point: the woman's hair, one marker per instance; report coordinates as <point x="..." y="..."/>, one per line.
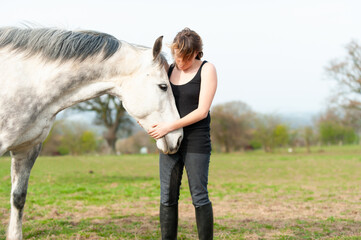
<point x="187" y="42"/>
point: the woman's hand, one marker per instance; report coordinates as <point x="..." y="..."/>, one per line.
<point x="159" y="130"/>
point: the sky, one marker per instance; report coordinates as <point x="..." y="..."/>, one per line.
<point x="270" y="55"/>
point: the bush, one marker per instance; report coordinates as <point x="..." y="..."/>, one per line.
<point x="69" y="138"/>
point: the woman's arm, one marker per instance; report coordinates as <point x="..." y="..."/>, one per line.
<point x="206" y="95"/>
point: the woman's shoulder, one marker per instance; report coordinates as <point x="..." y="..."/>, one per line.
<point x="208" y="68"/>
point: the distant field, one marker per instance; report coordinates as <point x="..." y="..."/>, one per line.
<point x="255" y="196"/>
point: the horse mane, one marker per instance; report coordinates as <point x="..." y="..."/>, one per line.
<point x="56" y="44"/>
<point x="161" y="60"/>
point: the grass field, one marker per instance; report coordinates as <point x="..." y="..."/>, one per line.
<point x="255" y="196"/>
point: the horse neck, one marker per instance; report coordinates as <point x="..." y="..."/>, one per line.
<point x="83" y="82"/>
<point x="95" y="77"/>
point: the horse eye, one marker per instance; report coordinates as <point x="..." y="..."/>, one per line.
<point x="163" y="87"/>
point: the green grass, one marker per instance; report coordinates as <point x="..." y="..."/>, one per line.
<point x="255" y="196"/>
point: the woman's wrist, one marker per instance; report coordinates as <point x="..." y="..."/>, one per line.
<point x="173" y="126"/>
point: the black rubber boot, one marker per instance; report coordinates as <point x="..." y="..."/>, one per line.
<point x="204" y="218"/>
<point x="168" y="221"/>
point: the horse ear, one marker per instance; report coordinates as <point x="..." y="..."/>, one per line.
<point x="157" y="47"/>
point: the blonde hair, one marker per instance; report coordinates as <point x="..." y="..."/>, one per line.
<point x="187" y="42"/>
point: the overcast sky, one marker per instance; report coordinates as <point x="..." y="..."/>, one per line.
<point x="268" y="54"/>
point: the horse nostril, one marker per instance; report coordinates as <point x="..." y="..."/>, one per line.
<point x="179" y="141"/>
<point x="175" y="148"/>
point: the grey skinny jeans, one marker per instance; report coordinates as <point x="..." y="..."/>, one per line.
<point x="171" y="171"/>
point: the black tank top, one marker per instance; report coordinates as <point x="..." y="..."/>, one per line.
<point x="197" y="135"/>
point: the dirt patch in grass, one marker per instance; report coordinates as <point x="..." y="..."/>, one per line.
<point x="243" y="206"/>
<point x="90" y="236"/>
<point x="252" y="205"/>
<point x="246" y="216"/>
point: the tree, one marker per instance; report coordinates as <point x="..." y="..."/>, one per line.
<point x="335" y="127"/>
<point x="280" y="135"/>
<point x="308" y="136"/>
<point x="231" y="126"/>
<point x="335" y="133"/>
<point x="347" y="74"/>
<point x="353" y="119"/>
<point x="68" y="137"/>
<point x="110" y="114"/>
<point x="270" y="132"/>
<point x="88" y="141"/>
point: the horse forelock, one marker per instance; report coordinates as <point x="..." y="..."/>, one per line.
<point x="56" y="44"/>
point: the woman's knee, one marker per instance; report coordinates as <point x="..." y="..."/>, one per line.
<point x="200" y="200"/>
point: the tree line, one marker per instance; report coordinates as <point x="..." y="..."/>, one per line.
<point x="234" y="126"/>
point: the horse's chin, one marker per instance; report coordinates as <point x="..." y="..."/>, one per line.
<point x="163" y="146"/>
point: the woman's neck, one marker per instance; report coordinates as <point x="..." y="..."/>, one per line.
<point x="195" y="65"/>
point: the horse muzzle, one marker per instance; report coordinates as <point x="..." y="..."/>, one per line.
<point x="170" y="143"/>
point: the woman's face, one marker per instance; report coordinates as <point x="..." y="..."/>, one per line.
<point x="181" y="63"/>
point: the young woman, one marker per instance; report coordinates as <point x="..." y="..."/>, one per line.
<point x="194" y="84"/>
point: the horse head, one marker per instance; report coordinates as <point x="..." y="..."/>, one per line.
<point x="147" y="95"/>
